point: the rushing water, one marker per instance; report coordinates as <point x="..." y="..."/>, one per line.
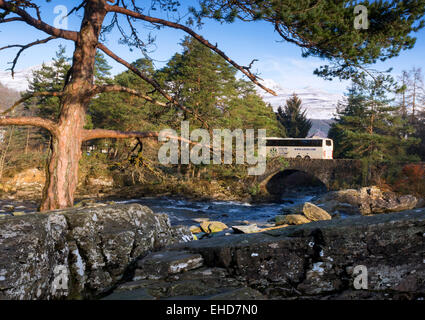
<point x="182" y="212"/>
<point x="230" y="212"/>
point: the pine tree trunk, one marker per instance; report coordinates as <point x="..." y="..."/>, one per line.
<point x="62" y="175"/>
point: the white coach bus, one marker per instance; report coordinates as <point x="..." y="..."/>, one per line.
<point x="301" y="148"/>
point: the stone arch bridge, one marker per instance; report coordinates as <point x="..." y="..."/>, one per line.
<point x="333" y="173"/>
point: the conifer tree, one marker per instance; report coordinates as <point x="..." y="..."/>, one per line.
<point x="49" y="78"/>
<point x="293" y="118"/>
<point x="201" y="79"/>
<point x="208" y="86"/>
<point x="368" y="126"/>
<point x="52" y="77"/>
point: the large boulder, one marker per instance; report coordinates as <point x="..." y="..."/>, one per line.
<point x="391" y="203"/>
<point x="213" y="226"/>
<point x="314" y="213"/>
<point x="292" y="219"/>
<point x="366" y="201"/>
<point x="79" y="252"/>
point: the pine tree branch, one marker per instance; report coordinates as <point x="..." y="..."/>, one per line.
<point x="117" y="134"/>
<point x="30" y="121"/>
<point x="29" y="96"/>
<point x="105" y="134"/>
<point x="11" y="19"/>
<point x="137" y="15"/>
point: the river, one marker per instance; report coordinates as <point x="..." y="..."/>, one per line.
<point x="182" y="212"/>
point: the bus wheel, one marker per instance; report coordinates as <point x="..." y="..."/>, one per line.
<point x="307" y="157"/>
<point x="298" y="157"/>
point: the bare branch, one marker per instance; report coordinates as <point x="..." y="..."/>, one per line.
<point x="116" y="134"/>
<point x="29" y="96"/>
<point x="251" y="63"/>
<point x="11" y="19"/>
<point x="30" y="121"/>
<point x="117" y="88"/>
<point x="198" y="37"/>
<point x="104" y="134"/>
<point x="151" y="82"/>
<point x="76" y="8"/>
<point x="23" y="48"/>
<point x="38" y="23"/>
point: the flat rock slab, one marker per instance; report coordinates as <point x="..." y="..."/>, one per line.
<point x="252" y="228"/>
<point x="318" y="260"/>
<point x="165" y="263"/>
<point x="202" y="283"/>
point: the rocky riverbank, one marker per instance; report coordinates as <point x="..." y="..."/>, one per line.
<point x="79" y="252"/>
<point x="311" y="261"/>
<point x="97" y="248"/>
<point x="27" y="185"/>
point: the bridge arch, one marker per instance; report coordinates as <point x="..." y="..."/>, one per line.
<point x="332" y="173"/>
<point x="291" y="181"/>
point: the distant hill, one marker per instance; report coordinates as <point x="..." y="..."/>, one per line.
<point x="317" y="103"/>
<point x="7" y="97"/>
<point x="20" y="81"/>
<point x="320" y="127"/>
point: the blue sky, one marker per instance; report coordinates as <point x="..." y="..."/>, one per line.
<point x="243" y="42"/>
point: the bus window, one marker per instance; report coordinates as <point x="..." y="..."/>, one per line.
<point x="294" y="143"/>
<point x="328" y="142"/>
